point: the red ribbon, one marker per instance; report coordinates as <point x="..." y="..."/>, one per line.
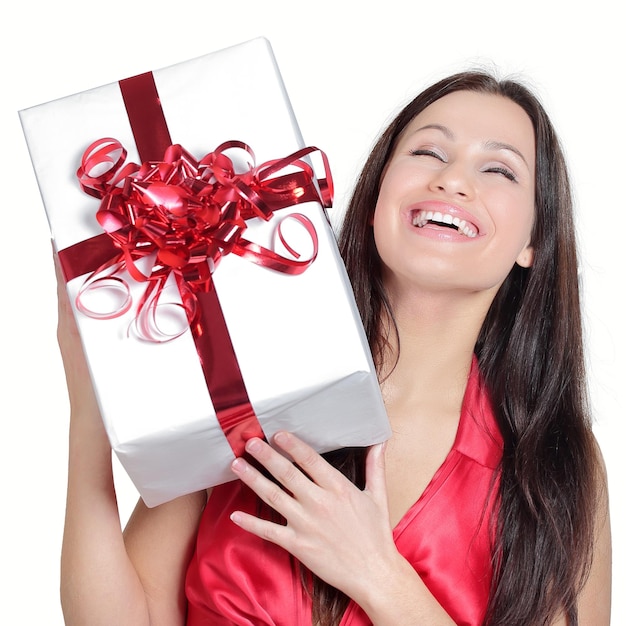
<point x="182" y="216"/>
<point x="187" y="215"/>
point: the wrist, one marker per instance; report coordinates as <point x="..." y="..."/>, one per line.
<point x="391" y="579"/>
<point x="399" y="597"/>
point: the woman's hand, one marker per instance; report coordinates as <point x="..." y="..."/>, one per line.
<point x="339" y="532"/>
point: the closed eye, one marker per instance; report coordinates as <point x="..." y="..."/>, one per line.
<point x="426" y="152"/>
<point x="504" y="171"/>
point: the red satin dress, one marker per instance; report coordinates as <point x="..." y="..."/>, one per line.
<point x="237" y="578"/>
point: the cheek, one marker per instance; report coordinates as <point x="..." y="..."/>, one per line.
<point x="526" y="223"/>
<point x="384" y="229"/>
<point x="513" y="240"/>
<point x="382" y="211"/>
<point x="397" y="187"/>
<point x="399" y="179"/>
<point x="515" y="217"/>
<point x="378" y="223"/>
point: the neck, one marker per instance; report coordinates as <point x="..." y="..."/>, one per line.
<point x="437" y="334"/>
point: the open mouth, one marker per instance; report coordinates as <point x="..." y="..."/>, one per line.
<point x="422" y="218"/>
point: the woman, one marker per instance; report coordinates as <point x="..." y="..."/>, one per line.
<point x="487" y="506"/>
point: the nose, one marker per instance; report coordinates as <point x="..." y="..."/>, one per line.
<point x="453" y="179"/>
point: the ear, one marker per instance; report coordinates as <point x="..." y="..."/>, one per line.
<point x="526" y="257"/>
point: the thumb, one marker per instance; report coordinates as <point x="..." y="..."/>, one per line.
<point x="375" y="479"/>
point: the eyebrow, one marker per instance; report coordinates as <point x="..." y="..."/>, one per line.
<point x="444" y="129"/>
<point x="489" y="145"/>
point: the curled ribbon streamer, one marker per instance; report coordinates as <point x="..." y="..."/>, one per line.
<point x="180" y="216"/>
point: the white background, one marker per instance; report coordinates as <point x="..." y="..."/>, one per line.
<point x="347" y="66"/>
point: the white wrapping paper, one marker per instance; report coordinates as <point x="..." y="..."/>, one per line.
<point x="298" y="339"/>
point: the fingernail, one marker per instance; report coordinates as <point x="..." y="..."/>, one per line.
<point x="281" y="437"/>
<point x="238" y="466"/>
<point x="253" y="445"/>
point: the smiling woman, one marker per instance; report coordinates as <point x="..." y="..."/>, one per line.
<point x="488" y="505"/>
<point x="471" y="158"/>
<point x="528" y="342"/>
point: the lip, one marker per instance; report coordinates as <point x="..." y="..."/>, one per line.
<point x="442" y="232"/>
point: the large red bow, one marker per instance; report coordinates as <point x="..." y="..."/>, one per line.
<point x="184" y="215"/>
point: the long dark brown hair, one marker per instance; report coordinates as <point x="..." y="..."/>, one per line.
<point x="530" y="354"/>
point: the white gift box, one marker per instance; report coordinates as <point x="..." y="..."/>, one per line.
<point x="298" y="340"/>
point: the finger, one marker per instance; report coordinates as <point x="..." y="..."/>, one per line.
<point x="375" y="477"/>
<point x="296" y="479"/>
<point x="276" y="533"/>
<point x="271" y="493"/>
<point x="64" y="307"/>
<point x="58" y="272"/>
<point x="309" y="461"/>
<point x="57" y="265"/>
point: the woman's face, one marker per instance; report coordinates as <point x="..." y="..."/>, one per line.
<point x="456" y="203"/>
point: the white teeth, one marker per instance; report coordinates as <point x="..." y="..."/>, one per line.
<point x="418" y="220"/>
<point x="421" y="218"/>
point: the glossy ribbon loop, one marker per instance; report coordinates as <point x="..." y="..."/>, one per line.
<point x="180" y="216"/>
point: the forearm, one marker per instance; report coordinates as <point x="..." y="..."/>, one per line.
<point x="99" y="585"/>
<point x="397" y="596"/>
